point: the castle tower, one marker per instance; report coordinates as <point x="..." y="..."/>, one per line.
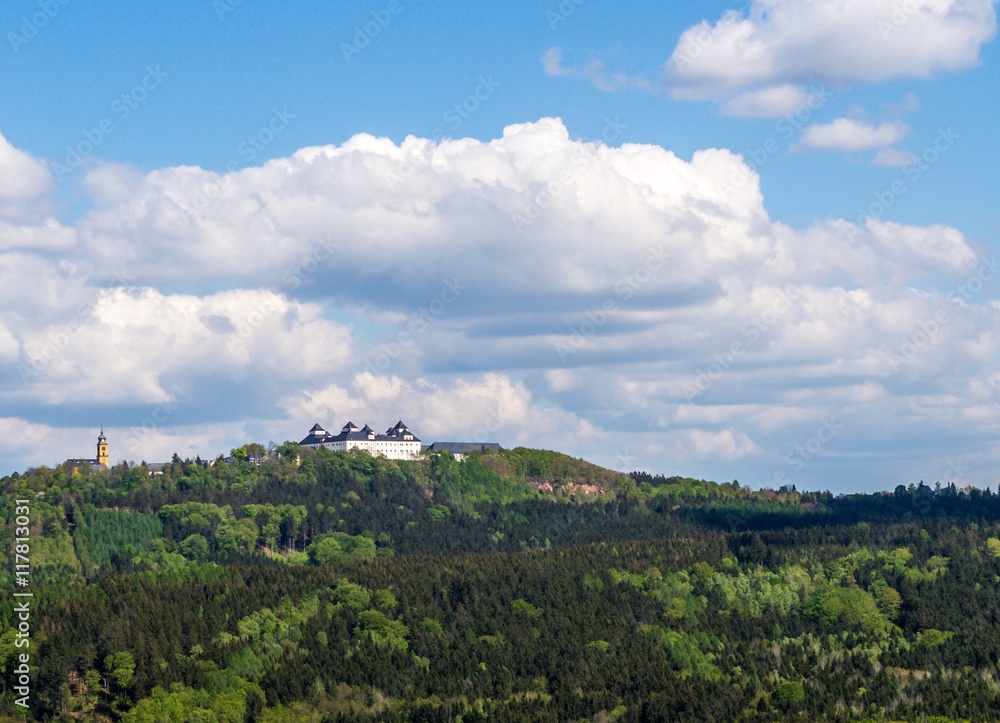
<point x="102" y="449"/>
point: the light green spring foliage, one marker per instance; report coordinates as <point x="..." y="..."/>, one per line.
<point x="52" y="554"/>
<point x="349" y="594"/>
<point x="932" y="638"/>
<point x="234" y="535"/>
<point x="385" y="600"/>
<point x="197" y="515"/>
<point x="757" y="591"/>
<point x="789" y="694"/>
<point x="527" y="609"/>
<point x="337" y="547"/>
<point x="888" y="601"/>
<point x="898" y="565"/>
<point x="433" y="627"/>
<point x="261" y="638"/>
<point x="993" y="546"/>
<point x="270" y="518"/>
<point x="466" y="482"/>
<point x="827" y="594"/>
<point x="692" y="654"/>
<point x="752" y="592"/>
<point x="850" y="606"/>
<point x="181" y="704"/>
<point x="376" y="626"/>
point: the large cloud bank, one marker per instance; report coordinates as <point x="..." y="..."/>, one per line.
<point x="615" y="302"/>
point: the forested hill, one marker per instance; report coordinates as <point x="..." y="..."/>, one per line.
<point x="518" y="585"/>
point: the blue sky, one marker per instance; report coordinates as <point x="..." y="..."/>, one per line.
<point x="747" y="240"/>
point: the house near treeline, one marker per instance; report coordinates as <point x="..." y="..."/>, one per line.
<point x="460" y="449"/>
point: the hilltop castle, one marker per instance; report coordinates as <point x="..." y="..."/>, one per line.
<point x="397" y="443"/>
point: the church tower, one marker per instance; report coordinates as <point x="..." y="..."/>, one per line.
<point x="102" y="449"/>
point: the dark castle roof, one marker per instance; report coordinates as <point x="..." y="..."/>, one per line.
<point x="350" y="431"/>
<point x="463" y="447"/>
<point x="92" y="462"/>
<point x="316" y="435"/>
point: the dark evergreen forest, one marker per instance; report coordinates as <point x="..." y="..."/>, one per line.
<point x="514" y="586"/>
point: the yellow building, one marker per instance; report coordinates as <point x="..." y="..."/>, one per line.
<point x="102" y="450"/>
<point x="102" y="459"/>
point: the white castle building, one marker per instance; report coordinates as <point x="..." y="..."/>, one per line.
<point x="397" y="443"/>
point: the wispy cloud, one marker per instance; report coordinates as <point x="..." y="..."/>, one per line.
<point x="848" y="135"/>
<point x="894" y="157"/>
<point x="595" y="70"/>
<point x="768" y="102"/>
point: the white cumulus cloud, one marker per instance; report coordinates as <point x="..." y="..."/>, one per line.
<point x="769" y="102"/>
<point x="24" y="181"/>
<point x="782" y="42"/>
<point x="142" y="346"/>
<point x="486" y="408"/>
<point x="846" y="134"/>
<point x="614" y="301"/>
